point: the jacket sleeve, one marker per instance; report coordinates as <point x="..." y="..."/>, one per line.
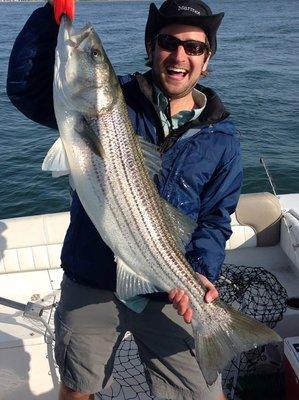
<point x="206" y="251"/>
<point x="31" y="68"/>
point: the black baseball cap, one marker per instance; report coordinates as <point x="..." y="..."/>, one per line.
<point x="185" y="12"/>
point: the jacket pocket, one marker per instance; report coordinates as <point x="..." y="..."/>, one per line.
<point x="173" y="163"/>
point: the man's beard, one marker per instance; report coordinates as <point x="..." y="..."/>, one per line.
<point x="172" y="96"/>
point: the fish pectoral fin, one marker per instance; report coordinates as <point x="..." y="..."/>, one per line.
<point x="129" y="284"/>
<point x="182" y="225"/>
<point x="152" y="157"/>
<point x="90" y="138"/>
<point x="56" y="160"/>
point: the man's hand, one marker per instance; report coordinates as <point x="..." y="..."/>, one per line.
<point x="180" y="299"/>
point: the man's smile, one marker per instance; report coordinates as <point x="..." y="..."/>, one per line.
<point x="175" y="72"/>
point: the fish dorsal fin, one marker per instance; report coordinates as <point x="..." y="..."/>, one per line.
<point x="129" y="284"/>
<point x="152" y="157"/>
<point x="56" y="160"/>
<point x="182" y="225"/>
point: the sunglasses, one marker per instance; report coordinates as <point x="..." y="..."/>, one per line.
<point x="191" y="47"/>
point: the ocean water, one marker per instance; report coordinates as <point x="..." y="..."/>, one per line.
<point x="255" y="71"/>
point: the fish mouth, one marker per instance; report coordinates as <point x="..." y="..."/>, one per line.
<point x="67" y="27"/>
<point x="71" y="38"/>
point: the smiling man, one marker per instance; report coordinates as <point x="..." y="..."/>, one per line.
<point x="201" y="175"/>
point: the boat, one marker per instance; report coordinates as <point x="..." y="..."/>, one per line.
<point x="265" y="239"/>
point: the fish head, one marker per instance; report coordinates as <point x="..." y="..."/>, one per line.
<point x="84" y="78"/>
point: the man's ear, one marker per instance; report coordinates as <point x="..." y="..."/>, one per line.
<point x="149" y="50"/>
<point x="206" y="63"/>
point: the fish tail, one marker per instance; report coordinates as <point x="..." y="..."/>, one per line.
<point x="214" y="349"/>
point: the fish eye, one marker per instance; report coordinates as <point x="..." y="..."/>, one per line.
<point x="95" y="53"/>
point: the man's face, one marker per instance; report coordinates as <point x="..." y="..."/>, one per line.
<point x="175" y="71"/>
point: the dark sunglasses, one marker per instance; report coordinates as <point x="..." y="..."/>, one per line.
<point x="191" y="47"/>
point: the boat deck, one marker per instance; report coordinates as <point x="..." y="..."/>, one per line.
<point x="30" y="273"/>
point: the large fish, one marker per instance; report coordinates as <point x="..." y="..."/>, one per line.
<point x="111" y="169"/>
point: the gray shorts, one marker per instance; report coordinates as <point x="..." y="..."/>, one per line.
<point x="89" y="326"/>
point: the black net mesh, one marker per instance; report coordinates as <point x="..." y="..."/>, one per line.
<point x="129" y="378"/>
<point x="256" y="374"/>
<point x="255" y="292"/>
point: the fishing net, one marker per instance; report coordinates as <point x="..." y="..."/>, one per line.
<point x="256" y="374"/>
<point x="129" y="379"/>
<point x="255" y="292"/>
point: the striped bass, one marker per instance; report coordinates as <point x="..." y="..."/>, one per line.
<point x="112" y="168"/>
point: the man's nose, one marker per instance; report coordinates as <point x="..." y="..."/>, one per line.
<point x="180" y="53"/>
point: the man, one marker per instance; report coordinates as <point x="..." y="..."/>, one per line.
<point x="201" y="175"/>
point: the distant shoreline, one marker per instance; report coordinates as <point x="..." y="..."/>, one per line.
<point x="78" y="1"/>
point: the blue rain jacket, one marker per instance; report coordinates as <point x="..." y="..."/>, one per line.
<point x="201" y="165"/>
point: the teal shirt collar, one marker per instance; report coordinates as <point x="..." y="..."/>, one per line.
<point x="182" y="117"/>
